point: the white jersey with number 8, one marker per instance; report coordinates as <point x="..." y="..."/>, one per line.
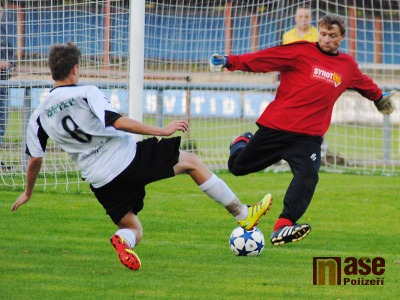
<point x="75" y="117"/>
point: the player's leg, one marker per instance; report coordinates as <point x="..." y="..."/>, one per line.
<point x="237" y="145"/>
<point x="158" y="159"/>
<point x="122" y="199"/>
<point x="128" y="235"/>
<point x="253" y="153"/>
<point x="214" y="187"/>
<point x="132" y="223"/>
<point x="3" y="111"/>
<point x="305" y="160"/>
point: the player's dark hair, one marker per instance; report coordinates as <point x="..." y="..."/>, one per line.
<point x="62" y="58"/>
<point x="329" y="20"/>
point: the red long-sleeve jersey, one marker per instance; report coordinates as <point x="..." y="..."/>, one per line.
<point x="311" y="82"/>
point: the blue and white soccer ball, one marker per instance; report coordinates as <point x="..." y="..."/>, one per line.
<point x="246" y="243"/>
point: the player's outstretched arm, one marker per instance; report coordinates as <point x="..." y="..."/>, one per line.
<point x="34" y="166"/>
<point x="133" y="126"/>
<point x="217" y="62"/>
<point x="385" y="104"/>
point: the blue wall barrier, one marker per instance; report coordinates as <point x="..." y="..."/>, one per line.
<point x="168" y="38"/>
<point x="203" y="103"/>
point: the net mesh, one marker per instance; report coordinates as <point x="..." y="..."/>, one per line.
<point x="180" y="36"/>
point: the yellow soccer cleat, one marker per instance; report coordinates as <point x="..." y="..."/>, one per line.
<point x="256" y="211"/>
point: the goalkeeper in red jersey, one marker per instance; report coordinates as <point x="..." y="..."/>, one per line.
<point x="313" y="76"/>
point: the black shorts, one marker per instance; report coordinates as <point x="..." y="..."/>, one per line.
<point x="154" y="160"/>
<point x="269" y="146"/>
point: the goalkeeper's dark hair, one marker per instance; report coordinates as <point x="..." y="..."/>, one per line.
<point x="329" y="20"/>
<point x="62" y="58"/>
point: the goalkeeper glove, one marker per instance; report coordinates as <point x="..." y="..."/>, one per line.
<point x="385" y="105"/>
<point x="217" y="62"/>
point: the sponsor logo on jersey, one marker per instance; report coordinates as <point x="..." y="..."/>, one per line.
<point x="326" y="76"/>
<point x="59" y="107"/>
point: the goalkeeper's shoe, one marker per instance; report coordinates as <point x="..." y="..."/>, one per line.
<point x="245" y="137"/>
<point x="126" y="255"/>
<point x="287" y="234"/>
<point x="255" y="212"/>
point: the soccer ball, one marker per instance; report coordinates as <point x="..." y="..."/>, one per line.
<point x="246" y="243"/>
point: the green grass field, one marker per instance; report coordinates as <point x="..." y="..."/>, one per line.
<point x="57" y="246"/>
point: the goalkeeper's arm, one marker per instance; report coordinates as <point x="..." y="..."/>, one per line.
<point x="385" y="104"/>
<point x="217" y="62"/>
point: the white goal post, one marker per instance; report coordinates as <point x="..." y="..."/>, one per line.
<point x="151" y="60"/>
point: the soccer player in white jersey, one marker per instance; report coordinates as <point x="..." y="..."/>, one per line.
<point x="81" y="120"/>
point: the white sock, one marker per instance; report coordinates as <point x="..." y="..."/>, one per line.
<point x="243" y="213"/>
<point x="217" y="189"/>
<point x="128" y="236"/>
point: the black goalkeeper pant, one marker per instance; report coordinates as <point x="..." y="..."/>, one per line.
<point x="268" y="146"/>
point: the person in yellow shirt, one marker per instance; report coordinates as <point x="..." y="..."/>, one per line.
<point x="303" y="31"/>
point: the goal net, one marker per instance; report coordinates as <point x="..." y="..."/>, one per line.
<point x="100" y="29"/>
<point x="179" y="37"/>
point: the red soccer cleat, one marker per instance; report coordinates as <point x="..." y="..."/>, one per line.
<point x="126" y="255"/>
